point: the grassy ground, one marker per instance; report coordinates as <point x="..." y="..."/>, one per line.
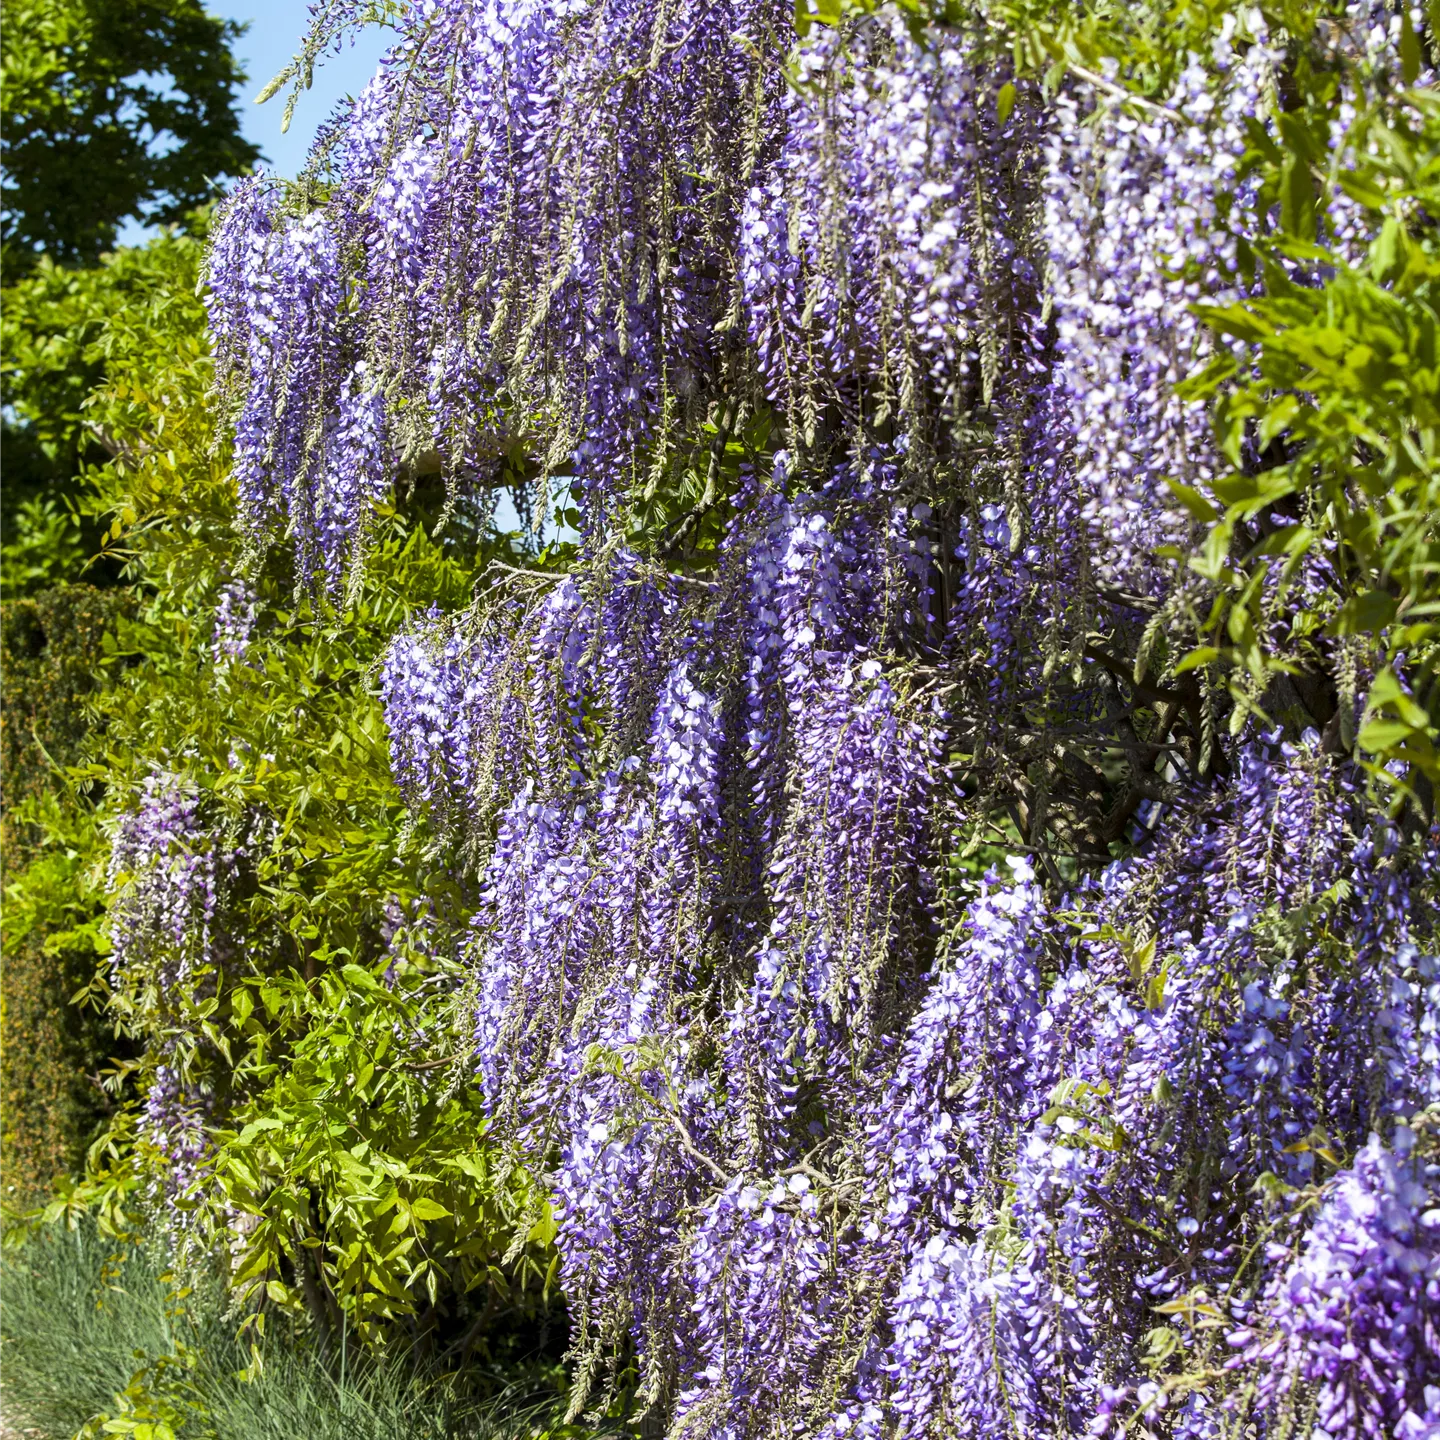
<point x="93" y="1342"/>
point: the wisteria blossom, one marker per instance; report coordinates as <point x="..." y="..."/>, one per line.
<point x="169" y="873"/>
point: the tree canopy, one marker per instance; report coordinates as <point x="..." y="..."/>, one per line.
<point x="111" y="111"/>
<point x="108" y="112"/>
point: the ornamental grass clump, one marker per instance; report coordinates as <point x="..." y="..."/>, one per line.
<point x="102" y="1337"/>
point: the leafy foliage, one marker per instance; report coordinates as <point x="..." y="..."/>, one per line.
<point x="112" y="112"/>
<point x="365" y="1195"/>
<point x="50" y="1050"/>
<point x="59" y="328"/>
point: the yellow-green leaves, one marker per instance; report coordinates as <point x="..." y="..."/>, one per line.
<point x="358" y="1158"/>
<point x="1194" y="502"/>
<point x="1397" y="727"/>
<point x="1297" y="186"/>
<point x="1366" y="614"/>
<point x="1329" y="424"/>
<point x="1410" y="56"/>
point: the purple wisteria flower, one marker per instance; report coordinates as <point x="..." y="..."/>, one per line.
<point x="1354" y="1318"/>
<point x="167" y="873"/>
<point x="845" y="1133"/>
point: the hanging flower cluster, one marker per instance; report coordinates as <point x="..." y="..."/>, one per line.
<point x="841" y="1138"/>
<point x="1354" y="1314"/>
<point x="173" y="1122"/>
<point x="167" y="874"/>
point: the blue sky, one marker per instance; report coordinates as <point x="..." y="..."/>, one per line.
<point x="276" y="28"/>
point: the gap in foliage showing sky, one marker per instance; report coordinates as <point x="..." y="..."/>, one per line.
<point x="276" y="30"/>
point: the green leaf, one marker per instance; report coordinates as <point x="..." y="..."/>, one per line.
<point x="1249" y="493"/>
<point x="1204" y="383"/>
<point x="1155" y="989"/>
<point x="1201" y="655"/>
<point x="544" y="1230"/>
<point x="1387" y="251"/>
<point x="258" y="1127"/>
<point x="1410" y="56"/>
<point x="1193" y="501"/>
<point x="1292" y="540"/>
<point x="1278" y="419"/>
<point x="1235" y="320"/>
<point x="1366" y="614"/>
<point x="1213" y="560"/>
<point x="1363" y="189"/>
<point x="1297" y="197"/>
<point x="1378" y="736"/>
<point x="1385" y="693"/>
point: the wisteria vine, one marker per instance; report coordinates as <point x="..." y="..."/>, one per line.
<point x="845" y="1133"/>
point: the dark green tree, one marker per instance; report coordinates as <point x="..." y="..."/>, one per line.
<point x="111" y="110"/>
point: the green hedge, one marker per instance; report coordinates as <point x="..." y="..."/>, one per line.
<point x="51" y="1050"/>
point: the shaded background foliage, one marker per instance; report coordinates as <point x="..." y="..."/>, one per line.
<point x="51" y="1050"/>
<point x="109" y="113"/>
<point x="112" y="473"/>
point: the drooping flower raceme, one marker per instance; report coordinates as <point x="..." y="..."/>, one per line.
<point x="169" y="874"/>
<point x="1354" y="1318"/>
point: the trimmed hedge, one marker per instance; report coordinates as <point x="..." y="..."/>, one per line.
<point x="51" y="1106"/>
